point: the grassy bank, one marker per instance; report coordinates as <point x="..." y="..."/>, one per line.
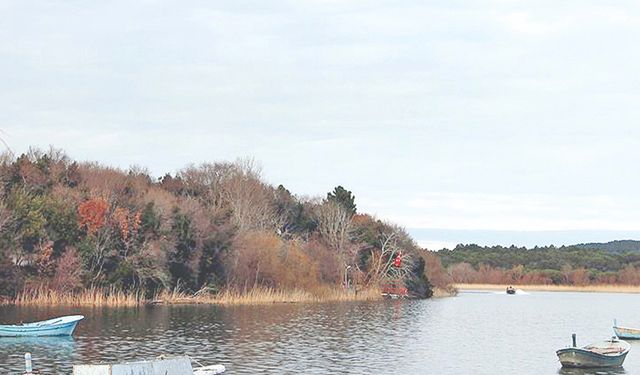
<point x="113" y="298"/>
<point x="601" y="288"/>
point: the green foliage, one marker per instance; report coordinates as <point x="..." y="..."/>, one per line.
<point x="297" y="219"/>
<point x="185" y="244"/>
<point x="29" y="217"/>
<point x="210" y="268"/>
<point x="344" y="198"/>
<point x="150" y="220"/>
<point x="124" y="276"/>
<point x="620" y="246"/>
<point x="61" y="226"/>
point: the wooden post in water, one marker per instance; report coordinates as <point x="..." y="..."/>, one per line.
<point x="28" y="368"/>
<point x="573" y="338"/>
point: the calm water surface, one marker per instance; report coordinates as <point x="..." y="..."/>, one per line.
<point x="474" y="333"/>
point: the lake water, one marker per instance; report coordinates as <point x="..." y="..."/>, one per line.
<point x="473" y="333"/>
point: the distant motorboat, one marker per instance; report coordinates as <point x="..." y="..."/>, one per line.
<point x="609" y="353"/>
<point x="626" y="332"/>
<point x="62" y="326"/>
<point x="511" y="290"/>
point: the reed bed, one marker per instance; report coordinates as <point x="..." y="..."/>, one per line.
<point x="599" y="288"/>
<point x="116" y="298"/>
<point x="89" y="297"/>
<point x="258" y="296"/>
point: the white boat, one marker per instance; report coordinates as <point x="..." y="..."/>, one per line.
<point x="158" y="366"/>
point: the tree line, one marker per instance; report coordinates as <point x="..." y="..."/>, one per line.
<point x="577" y="265"/>
<point x="67" y="226"/>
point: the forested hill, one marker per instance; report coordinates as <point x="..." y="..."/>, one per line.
<point x="613" y="262"/>
<point x="613" y="246"/>
<point x="539" y="258"/>
<point x="67" y="226"/>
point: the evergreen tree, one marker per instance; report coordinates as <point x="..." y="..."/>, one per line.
<point x="344" y="198"/>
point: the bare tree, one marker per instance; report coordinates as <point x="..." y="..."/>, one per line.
<point x="463" y="273"/>
<point x="250" y="200"/>
<point x="383" y="258"/>
<point x="6" y="145"/>
<point x="334" y="224"/>
<point x="206" y="182"/>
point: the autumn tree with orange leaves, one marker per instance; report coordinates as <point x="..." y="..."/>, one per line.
<point x="93" y="214"/>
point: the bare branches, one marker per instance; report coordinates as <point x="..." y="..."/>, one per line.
<point x="6" y="216"/>
<point x="334" y="224"/>
<point x="206" y="182"/>
<point x="248" y="197"/>
<point x="234" y="186"/>
<point x="382" y="259"/>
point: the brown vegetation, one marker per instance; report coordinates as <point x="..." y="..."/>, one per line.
<point x="82" y="233"/>
<point x="117" y="298"/>
<point x="464" y="273"/>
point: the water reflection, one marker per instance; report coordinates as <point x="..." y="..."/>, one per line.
<point x="461" y="335"/>
<point x="577" y="371"/>
<point x="51" y="353"/>
<point x="58" y="343"/>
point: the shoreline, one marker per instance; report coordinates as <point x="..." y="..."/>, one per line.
<point x="259" y="296"/>
<point x="600" y="288"/>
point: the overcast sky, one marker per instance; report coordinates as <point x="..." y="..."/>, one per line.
<point x="490" y="122"/>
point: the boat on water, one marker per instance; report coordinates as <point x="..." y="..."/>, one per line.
<point x="158" y="366"/>
<point x="511" y="290"/>
<point x="608" y="353"/>
<point x="209" y="370"/>
<point x="626" y="332"/>
<point x="62" y="326"/>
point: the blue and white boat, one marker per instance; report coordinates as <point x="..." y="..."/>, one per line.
<point x="62" y="326"/>
<point x="626" y="332"/>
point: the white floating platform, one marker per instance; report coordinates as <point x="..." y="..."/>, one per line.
<point x="163" y="366"/>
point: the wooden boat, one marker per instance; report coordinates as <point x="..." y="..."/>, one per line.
<point x="511" y="290"/>
<point x="62" y="326"/>
<point x="626" y="332"/>
<point x="609" y="353"/>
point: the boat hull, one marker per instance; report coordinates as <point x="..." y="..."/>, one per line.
<point x="53" y="327"/>
<point x="627" y="333"/>
<point x="574" y="357"/>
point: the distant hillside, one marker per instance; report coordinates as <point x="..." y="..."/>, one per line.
<point x="618" y="246"/>
<point x="544" y="265"/>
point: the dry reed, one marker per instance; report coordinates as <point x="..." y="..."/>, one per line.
<point x="89" y="297"/>
<point x="600" y="288"/>
<point x="266" y="295"/>
<point x="117" y="298"/>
